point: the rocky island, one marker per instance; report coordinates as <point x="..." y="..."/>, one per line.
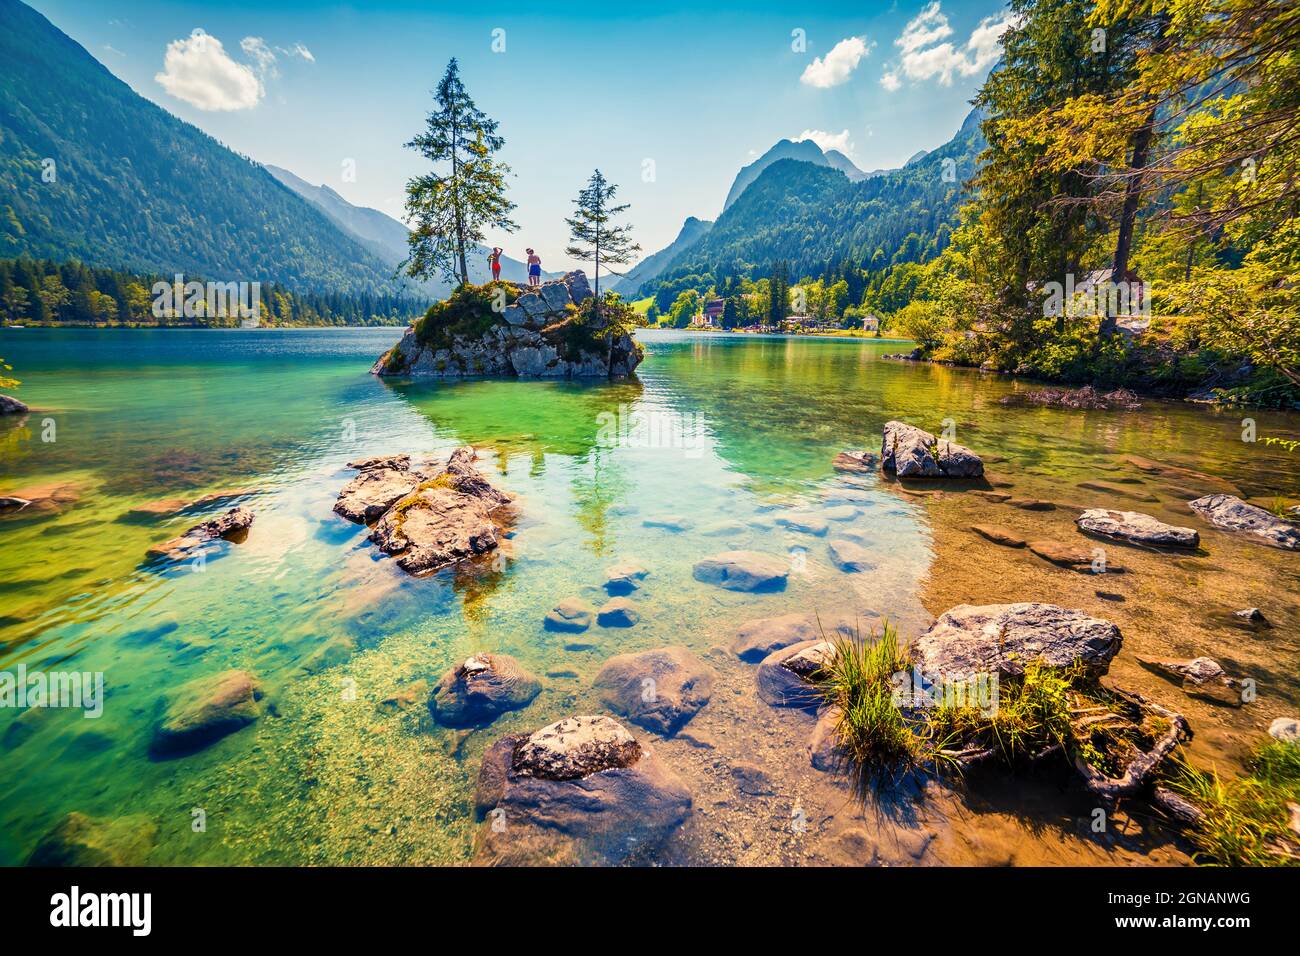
<point x="555" y="330"/>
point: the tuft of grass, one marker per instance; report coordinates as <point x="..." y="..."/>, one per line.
<point x="1245" y="821"/>
<point x="871" y="731"/>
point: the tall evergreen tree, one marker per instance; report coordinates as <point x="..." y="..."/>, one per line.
<point x="592" y="235"/>
<point x="449" y="210"/>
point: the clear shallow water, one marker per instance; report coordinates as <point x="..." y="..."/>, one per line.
<point x="308" y="605"/>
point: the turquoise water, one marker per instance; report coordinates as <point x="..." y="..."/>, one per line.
<point x="716" y="429"/>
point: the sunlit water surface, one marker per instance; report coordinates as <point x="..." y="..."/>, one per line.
<point x="715" y="429"/>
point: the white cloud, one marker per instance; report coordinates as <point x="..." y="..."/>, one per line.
<point x="825" y="140"/>
<point x="924" y="58"/>
<point x="198" y="70"/>
<point x="836" y="66"/>
<point x="298" y="50"/>
<point x="262" y="55"/>
<point x="929" y="26"/>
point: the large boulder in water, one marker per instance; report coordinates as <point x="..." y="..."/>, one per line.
<point x="911" y="452"/>
<point x="1137" y="528"/>
<point x="475" y="692"/>
<point x="537" y="335"/>
<point x="204" y="710"/>
<point x="82" y="841"/>
<point x="582" y="790"/>
<point x="381" y="483"/>
<point x="659" y="689"/>
<point x="743" y="571"/>
<point x="445" y="520"/>
<point x="1232" y="514"/>
<point x="1001" y="638"/>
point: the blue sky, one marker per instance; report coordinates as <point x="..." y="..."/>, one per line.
<point x="668" y="99"/>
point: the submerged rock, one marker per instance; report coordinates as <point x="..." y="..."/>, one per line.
<point x="572" y="615"/>
<point x="668" y="523"/>
<point x="618" y="612"/>
<point x="848" y="556"/>
<point x="999" y="534"/>
<point x="84" y="841"/>
<point x="1073" y="557"/>
<point x="1198" y="670"/>
<point x="41" y="501"/>
<point x="380" y="484"/>
<point x="757" y="639"/>
<point x="480" y="689"/>
<point x="982" y="639"/>
<point x="11" y="504"/>
<point x="202" y="711"/>
<point x="624" y="578"/>
<point x="855" y="461"/>
<point x="910" y="452"/>
<point x="231" y="526"/>
<point x="444" y="520"/>
<point x="539" y="335"/>
<point x="1137" y="528"/>
<point x="1117" y="490"/>
<point x="787" y="677"/>
<point x="743" y="571"/>
<point x="659" y="689"/>
<point x="804" y="522"/>
<point x="12" y="406"/>
<point x="1232" y="514"/>
<point x="582" y="790"/>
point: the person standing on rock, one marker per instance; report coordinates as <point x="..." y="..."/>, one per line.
<point x="534" y="268"/>
<point x="494" y="260"/>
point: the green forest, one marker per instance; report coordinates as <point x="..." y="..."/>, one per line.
<point x="44" y="292"/>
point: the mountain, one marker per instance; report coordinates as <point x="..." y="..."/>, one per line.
<point x="805" y="150"/>
<point x="386" y="237"/>
<point x="91" y="170"/>
<point x="649" y="268"/>
<point x="811" y="214"/>
<point x="839" y="161"/>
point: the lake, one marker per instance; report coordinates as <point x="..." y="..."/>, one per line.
<point x="719" y="437"/>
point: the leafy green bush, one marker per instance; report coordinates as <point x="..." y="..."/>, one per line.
<point x="467" y="313"/>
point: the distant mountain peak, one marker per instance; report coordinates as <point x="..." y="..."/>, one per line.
<point x="804" y="150"/>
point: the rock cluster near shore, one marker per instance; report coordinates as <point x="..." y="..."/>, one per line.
<point x="533" y="337"/>
<point x="427" y="521"/>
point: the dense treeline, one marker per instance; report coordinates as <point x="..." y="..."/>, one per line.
<point x="43" y="292"/>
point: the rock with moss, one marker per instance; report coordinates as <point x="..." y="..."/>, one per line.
<point x="447" y="519"/>
<point x="82" y="841"/>
<point x="202" y="711"/>
<point x="911" y="452"/>
<point x="380" y="483"/>
<point x="550" y="331"/>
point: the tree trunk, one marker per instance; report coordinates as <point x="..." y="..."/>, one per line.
<point x="455" y="201"/>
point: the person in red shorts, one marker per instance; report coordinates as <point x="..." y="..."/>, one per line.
<point x="494" y="260"/>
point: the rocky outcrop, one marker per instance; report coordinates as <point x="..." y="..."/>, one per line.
<point x="787" y="678"/>
<point x="580" y="791"/>
<point x="204" y="710"/>
<point x="382" y="482"/>
<point x="474" y="693"/>
<point x="1137" y="528"/>
<point x="1232" y="514"/>
<point x="969" y="640"/>
<point x="743" y="571"/>
<point x="444" y="520"/>
<point x="83" y="841"/>
<point x="659" y="689"/>
<point x="231" y="526"/>
<point x="12" y="406"/>
<point x="910" y="452"/>
<point x="757" y="639"/>
<point x="535" y="336"/>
